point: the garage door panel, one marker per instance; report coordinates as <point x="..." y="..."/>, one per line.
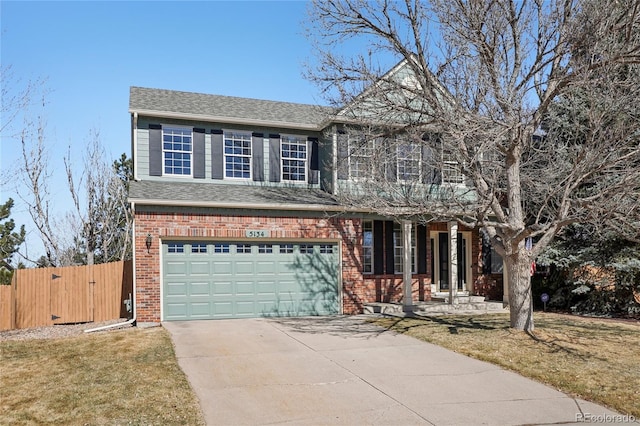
<point x="176" y="268"/>
<point x="245" y="288"/>
<point x="223" y="288"/>
<point x="251" y="280"/>
<point x="176" y="289"/>
<point x="266" y="288"/>
<point x="224" y="267"/>
<point x="200" y="309"/>
<point x="176" y="311"/>
<point x="200" y="289"/>
<point x="245" y="268"/>
<point x="200" y="268"/>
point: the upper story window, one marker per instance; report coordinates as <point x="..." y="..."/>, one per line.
<point x="177" y="151"/>
<point x="237" y="155"/>
<point x="361" y="161"/>
<point x="409" y="156"/>
<point x="451" y="170"/>
<point x="294" y="159"/>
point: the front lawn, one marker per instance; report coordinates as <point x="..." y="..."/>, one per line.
<point x="127" y="377"/>
<point x="595" y="359"/>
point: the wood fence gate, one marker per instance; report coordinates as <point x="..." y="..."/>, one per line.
<point x="76" y="294"/>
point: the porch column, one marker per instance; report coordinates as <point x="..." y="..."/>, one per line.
<point x="406" y="266"/>
<point x="452" y="227"/>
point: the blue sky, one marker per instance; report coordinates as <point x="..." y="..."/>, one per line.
<point x="90" y="53"/>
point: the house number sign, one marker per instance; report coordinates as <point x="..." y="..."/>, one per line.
<point x="257" y="233"/>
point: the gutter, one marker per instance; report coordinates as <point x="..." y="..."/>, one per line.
<point x="257" y="206"/>
<point x="223" y="119"/>
<point x="132" y="321"/>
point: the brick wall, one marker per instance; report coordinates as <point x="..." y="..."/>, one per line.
<point x="357" y="289"/>
<point x="213" y="226"/>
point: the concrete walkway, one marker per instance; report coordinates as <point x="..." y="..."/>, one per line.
<point x="341" y="370"/>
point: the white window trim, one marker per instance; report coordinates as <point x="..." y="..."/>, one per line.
<point x="302" y="140"/>
<point x="413" y="147"/>
<point x="224" y="155"/>
<point x="171" y="126"/>
<point x="414" y="248"/>
<point x="355" y="147"/>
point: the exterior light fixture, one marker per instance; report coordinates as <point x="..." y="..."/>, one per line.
<point x="148" y="242"/>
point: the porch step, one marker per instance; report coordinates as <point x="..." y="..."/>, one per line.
<point x="435" y="307"/>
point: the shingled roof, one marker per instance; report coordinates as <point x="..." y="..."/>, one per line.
<point x="230" y="196"/>
<point x="160" y="102"/>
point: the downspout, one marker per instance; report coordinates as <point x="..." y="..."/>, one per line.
<point x="132" y="321"/>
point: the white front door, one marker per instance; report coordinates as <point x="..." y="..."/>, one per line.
<point x="441" y="261"/>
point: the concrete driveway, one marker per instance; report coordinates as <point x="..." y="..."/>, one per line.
<point x="341" y="370"/>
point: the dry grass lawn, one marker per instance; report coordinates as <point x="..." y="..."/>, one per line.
<point x="594" y="359"/>
<point x="127" y="377"/>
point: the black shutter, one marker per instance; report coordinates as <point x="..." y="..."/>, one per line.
<point x="421" y="242"/>
<point x="378" y="247"/>
<point x="198" y="153"/>
<point x="257" y="151"/>
<point x="343" y="156"/>
<point x="155" y="150"/>
<point x="274" y="158"/>
<point x="388" y="244"/>
<point x="391" y="160"/>
<point x="314" y="170"/>
<point x="486" y="253"/>
<point x="217" y="154"/>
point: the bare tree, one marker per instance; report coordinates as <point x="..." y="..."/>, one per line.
<point x="101" y="217"/>
<point x="477" y="100"/>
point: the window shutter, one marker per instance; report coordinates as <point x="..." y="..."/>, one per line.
<point x="274" y="158"/>
<point x="421" y="242"/>
<point x="388" y="243"/>
<point x="343" y="156"/>
<point x="378" y="247"/>
<point x="314" y="170"/>
<point x="217" y="154"/>
<point x="257" y="152"/>
<point x="198" y="153"/>
<point x="391" y="160"/>
<point x="486" y="254"/>
<point x="155" y="150"/>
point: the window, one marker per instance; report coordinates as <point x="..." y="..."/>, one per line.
<point x="326" y="248"/>
<point x="198" y="248"/>
<point x="294" y="159"/>
<point x="306" y="249"/>
<point x="243" y="248"/>
<point x="408" y="161"/>
<point x="398" y="248"/>
<point x="360" y="158"/>
<point x="367" y="247"/>
<point x="451" y="170"/>
<point x="221" y="248"/>
<point x="265" y="248"/>
<point x="175" y="248"/>
<point x="176" y="151"/>
<point x="286" y="248"/>
<point x="237" y="155"/>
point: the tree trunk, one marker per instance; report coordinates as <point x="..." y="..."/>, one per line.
<point x="518" y="267"/>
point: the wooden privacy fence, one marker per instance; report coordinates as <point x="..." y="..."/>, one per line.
<point x="73" y="294"/>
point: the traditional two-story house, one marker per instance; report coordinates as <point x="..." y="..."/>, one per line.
<point x="236" y="215"/>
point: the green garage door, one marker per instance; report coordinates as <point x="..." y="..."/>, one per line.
<point x="205" y="280"/>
